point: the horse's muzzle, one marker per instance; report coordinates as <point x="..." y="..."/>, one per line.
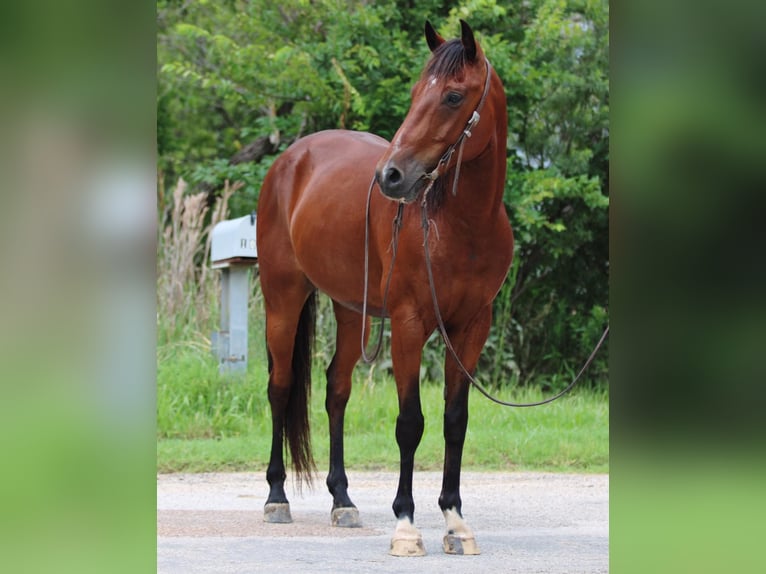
<point x="400" y="184"/>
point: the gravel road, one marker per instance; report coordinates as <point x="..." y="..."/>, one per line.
<point x="523" y="522"/>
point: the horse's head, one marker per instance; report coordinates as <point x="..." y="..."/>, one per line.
<point x="453" y="85"/>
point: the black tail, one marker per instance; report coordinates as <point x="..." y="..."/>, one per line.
<point x="297" y="427"/>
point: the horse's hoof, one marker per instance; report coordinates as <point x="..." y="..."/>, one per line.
<point x="406" y="540"/>
<point x="346" y="517"/>
<point x="407" y="547"/>
<point x="455" y="544"/>
<point x="277" y="513"/>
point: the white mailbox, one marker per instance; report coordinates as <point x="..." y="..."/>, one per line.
<point x="233" y="251"/>
<point x="233" y="240"/>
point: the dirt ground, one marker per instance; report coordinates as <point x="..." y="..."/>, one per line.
<point x="523" y="522"/>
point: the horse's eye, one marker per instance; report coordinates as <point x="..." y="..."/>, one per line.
<point x="453" y="99"/>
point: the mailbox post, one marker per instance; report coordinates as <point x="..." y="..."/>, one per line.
<point x="233" y="250"/>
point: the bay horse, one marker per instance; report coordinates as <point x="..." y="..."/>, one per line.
<point x="320" y="227"/>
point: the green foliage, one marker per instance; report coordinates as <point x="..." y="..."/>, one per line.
<point x="231" y="72"/>
<point x="555" y="69"/>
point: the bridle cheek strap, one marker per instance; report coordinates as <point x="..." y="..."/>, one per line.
<point x="465" y="134"/>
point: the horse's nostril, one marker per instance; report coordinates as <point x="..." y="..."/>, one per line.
<point x="393" y="175"/>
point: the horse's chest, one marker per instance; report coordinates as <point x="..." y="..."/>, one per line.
<point x="466" y="279"/>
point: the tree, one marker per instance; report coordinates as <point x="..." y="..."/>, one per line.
<point x="240" y="80"/>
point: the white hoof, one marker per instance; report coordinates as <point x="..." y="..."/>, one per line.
<point x="406" y="540"/>
<point x="277" y="513"/>
<point x="459" y="538"/>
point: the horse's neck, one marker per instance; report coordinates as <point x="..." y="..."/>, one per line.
<point x="480" y="186"/>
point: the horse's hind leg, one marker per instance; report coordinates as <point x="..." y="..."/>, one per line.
<point x="286" y="310"/>
<point x="468" y="343"/>
<point x="339" y="373"/>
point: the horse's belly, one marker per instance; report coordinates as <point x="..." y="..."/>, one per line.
<point x="338" y="273"/>
<point x="327" y="219"/>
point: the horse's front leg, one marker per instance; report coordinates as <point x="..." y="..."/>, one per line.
<point x="468" y="343"/>
<point x="407" y="340"/>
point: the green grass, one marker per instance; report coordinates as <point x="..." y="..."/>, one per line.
<point x="206" y="422"/>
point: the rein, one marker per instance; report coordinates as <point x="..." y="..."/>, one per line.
<point x="397" y="222"/>
<point x="396" y="225"/>
<point x="426" y="225"/>
<point x="443" y="330"/>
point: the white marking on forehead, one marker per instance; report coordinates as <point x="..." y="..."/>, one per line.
<point x="432" y="81"/>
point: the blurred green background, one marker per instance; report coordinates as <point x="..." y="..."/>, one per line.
<point x="78" y="100"/>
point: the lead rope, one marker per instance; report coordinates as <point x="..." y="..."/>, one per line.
<point x="397" y="222"/>
<point x="426" y="224"/>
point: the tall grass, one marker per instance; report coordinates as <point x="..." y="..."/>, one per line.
<point x="187" y="289"/>
<point x="193" y="401"/>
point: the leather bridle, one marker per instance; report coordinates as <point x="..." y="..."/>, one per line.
<point x="432" y="176"/>
<point x="466" y="133"/>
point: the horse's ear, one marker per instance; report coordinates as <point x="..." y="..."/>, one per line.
<point x="469" y="43"/>
<point x="432" y="37"/>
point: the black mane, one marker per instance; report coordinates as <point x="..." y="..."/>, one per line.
<point x="448" y="60"/>
<point x="435" y="197"/>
